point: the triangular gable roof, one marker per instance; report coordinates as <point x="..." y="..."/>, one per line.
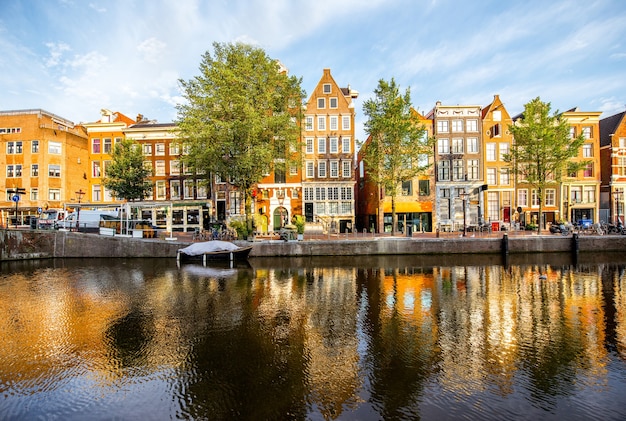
<point x="328" y="78"/>
<point x="608" y="126"/>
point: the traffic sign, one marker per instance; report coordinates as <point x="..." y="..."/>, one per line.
<point x="16" y="198"/>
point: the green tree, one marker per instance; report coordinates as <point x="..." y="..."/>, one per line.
<point x="397" y="148"/>
<point x="542" y="150"/>
<point x="241" y="116"/>
<point x="126" y="175"/>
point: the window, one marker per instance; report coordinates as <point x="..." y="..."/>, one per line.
<point x="201" y="190"/>
<point x="321" y="123"/>
<point x="14" y="147"/>
<point x="159" y="149"/>
<point x="443" y="126"/>
<point x="345" y="122"/>
<point x="576" y="194"/>
<point x="333" y="193"/>
<point x="424" y="187"/>
<point x="321" y="145"/>
<point x="443" y="171"/>
<point x="95" y="169"/>
<point x="174" y="167"/>
<point x="472" y="125"/>
<point x="321" y="169"/>
<point x="310" y="169"/>
<point x="457" y="125"/>
<point x="96" y="193"/>
<point x="308" y="194"/>
<point x="588" y="171"/>
<point x="54" y="148"/>
<point x="308" y="123"/>
<point x="147" y="149"/>
<point x="175" y="189"/>
<point x="346" y="169"/>
<point x="407" y="188"/>
<point x="550" y="197"/>
<point x="587" y="150"/>
<point x="334" y="169"/>
<point x="472" y="145"/>
<point x="496" y="130"/>
<point x="457" y="169"/>
<point x="346" y="193"/>
<point x="34" y="146"/>
<point x="572" y="132"/>
<point x="472" y="169"/>
<point x="174" y="149"/>
<point x="34" y="170"/>
<point x="445" y="203"/>
<point x="491" y="176"/>
<point x="497" y="116"/>
<point x="18" y="170"/>
<point x="493" y="202"/>
<point x="279" y="173"/>
<point x="321" y="103"/>
<point x="504" y="149"/>
<point x="95" y="145"/>
<point x="334" y="122"/>
<point x="333" y="102"/>
<point x="443" y="146"/>
<point x="491" y="151"/>
<point x="522" y="198"/>
<point x="334" y="145"/>
<point x="457" y="145"/>
<point x="587" y="132"/>
<point x="320" y="193"/>
<point x="505" y="177"/>
<point x="326" y="88"/>
<point x="188" y="189"/>
<point x="159" y="168"/>
<point x="621" y="165"/>
<point x="54" y="194"/>
<point x="54" y="170"/>
<point x="589" y="194"/>
<point x="622" y="142"/>
<point x="148" y="166"/>
<point x="34" y="194"/>
<point x="309" y="145"/>
<point x="10" y="171"/>
<point x="108" y="145"/>
<point x="293" y="170"/>
<point x="160" y="190"/>
<point x="345" y="145"/>
<point x="534" y="198"/>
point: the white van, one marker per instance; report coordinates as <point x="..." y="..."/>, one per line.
<point x="88" y="220"/>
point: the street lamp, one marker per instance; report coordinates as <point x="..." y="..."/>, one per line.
<point x="463" y="196"/>
<point x="79" y="194"/>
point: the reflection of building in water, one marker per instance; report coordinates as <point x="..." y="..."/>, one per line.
<point x="323" y="303"/>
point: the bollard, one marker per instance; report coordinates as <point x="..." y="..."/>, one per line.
<point x="575" y="245"/>
<point x="437" y="233"/>
<point x="505" y="243"/>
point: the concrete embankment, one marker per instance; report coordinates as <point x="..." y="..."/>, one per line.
<point x="19" y="245"/>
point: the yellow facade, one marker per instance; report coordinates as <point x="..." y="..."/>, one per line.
<point x="580" y="192"/>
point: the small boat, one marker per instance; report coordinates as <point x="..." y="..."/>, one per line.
<point x="213" y="250"/>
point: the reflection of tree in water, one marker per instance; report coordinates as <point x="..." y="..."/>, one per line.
<point x="129" y="339"/>
<point x="255" y="369"/>
<point x="401" y="354"/>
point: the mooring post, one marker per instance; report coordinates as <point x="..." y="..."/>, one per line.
<point x="505" y="243"/>
<point x="575" y="245"/>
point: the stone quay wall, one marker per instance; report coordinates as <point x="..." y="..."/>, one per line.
<point x="21" y="245"/>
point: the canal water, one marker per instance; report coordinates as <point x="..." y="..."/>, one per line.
<point x="431" y="338"/>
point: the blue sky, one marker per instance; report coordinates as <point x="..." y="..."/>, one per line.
<point x="74" y="57"/>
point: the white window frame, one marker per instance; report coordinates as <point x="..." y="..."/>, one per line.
<point x="310" y="145"/>
<point x="321" y="122"/>
<point x="321" y="169"/>
<point x="334" y="145"/>
<point x="321" y="145"/>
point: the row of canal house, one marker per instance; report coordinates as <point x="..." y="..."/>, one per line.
<point x="469" y="183"/>
<point x="60" y="164"/>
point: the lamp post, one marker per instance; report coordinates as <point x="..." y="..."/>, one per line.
<point x="79" y="195"/>
<point x="463" y="197"/>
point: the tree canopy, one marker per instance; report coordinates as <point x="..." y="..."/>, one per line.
<point x="126" y="175"/>
<point x="241" y="115"/>
<point x="543" y="148"/>
<point x="398" y="147"/>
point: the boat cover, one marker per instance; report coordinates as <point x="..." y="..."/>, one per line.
<point x="197" y="249"/>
